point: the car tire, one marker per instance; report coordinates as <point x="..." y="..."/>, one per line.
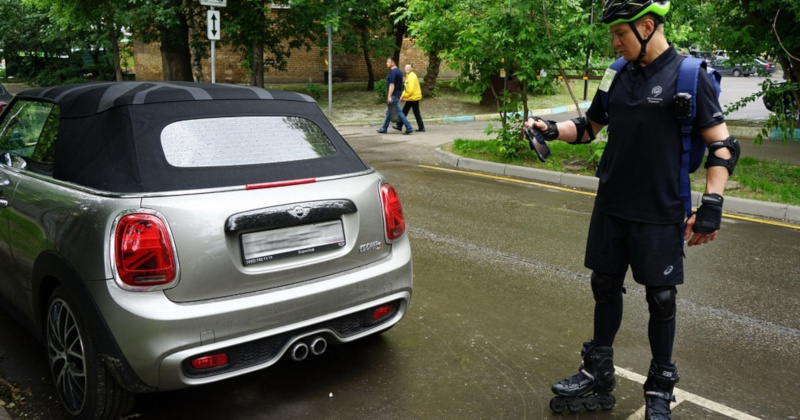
<point x="84" y="386"/>
<point x="737" y="73"/>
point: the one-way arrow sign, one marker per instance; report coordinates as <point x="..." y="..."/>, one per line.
<point x="213" y="25"/>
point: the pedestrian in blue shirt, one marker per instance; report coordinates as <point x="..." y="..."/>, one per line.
<point x="394" y="85"/>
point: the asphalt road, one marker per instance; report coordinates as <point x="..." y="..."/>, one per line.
<point x="501" y="306"/>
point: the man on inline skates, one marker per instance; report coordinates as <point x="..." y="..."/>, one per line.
<point x="639" y="218"/>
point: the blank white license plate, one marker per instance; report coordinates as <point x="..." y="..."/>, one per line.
<point x="269" y="245"/>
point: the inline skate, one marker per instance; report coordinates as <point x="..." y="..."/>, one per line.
<point x="658" y="387"/>
<point x="591" y="386"/>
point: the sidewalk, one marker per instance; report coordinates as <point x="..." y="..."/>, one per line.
<point x="442" y="131"/>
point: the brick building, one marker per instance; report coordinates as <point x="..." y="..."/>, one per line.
<point x="303" y="66"/>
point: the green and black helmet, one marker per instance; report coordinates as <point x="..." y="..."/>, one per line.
<point x="628" y="11"/>
<point x="621" y="11"/>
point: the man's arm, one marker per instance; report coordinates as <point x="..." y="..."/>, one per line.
<point x="567" y="130"/>
<point x="391" y="91"/>
<point x="716" y="179"/>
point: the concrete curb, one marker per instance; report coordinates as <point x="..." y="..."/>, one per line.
<point x="732" y="204"/>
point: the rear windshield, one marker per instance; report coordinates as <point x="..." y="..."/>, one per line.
<point x="235" y="141"/>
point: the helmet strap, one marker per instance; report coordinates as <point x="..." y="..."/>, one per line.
<point x="642" y="41"/>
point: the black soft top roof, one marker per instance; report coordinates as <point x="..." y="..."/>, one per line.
<point x="109" y="135"/>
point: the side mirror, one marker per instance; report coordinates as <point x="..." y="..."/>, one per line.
<point x="13" y="159"/>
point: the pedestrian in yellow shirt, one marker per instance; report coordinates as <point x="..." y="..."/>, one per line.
<point x="412" y="94"/>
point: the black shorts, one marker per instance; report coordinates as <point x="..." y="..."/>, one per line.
<point x="654" y="252"/>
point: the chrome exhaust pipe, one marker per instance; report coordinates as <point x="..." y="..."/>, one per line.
<point x="299" y="351"/>
<point x="318" y="346"/>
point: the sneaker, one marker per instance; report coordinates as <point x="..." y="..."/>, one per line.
<point x="398" y="127"/>
<point x="382" y="131"/>
<point x="421" y="130"/>
<point x="409" y="131"/>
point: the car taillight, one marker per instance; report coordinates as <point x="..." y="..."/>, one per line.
<point x="210" y="361"/>
<point x="393" y="216"/>
<point x="382" y="312"/>
<point x="144" y="253"/>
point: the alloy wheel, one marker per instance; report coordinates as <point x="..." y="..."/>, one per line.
<point x="67" y="356"/>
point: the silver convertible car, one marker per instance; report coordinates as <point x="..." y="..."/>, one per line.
<point x="162" y="235"/>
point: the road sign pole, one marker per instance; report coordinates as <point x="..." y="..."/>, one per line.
<point x="213" y="64"/>
<point x="213" y="58"/>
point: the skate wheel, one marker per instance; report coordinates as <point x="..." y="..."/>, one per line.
<point x="557" y="405"/>
<point x="591" y="405"/>
<point x="608" y="402"/>
<point x="574" y="406"/>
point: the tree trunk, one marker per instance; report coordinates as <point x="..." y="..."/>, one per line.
<point x="113" y="33"/>
<point x="176" y="58"/>
<point x="365" y="51"/>
<point x="400" y="30"/>
<point x="197" y="67"/>
<point x="257" y="77"/>
<point x="432" y="74"/>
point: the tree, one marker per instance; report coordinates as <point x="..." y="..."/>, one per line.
<point x="750" y="28"/>
<point x="103" y="20"/>
<point x="257" y="30"/>
<point x="482" y="39"/>
<point x="36" y="46"/>
<point x="167" y="21"/>
<point x="360" y="27"/>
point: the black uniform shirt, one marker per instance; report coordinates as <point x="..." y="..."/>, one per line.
<point x="640" y="171"/>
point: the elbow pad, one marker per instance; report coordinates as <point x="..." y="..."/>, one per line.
<point x="731" y="144"/>
<point x="582" y="125"/>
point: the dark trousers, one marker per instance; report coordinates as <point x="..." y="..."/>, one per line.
<point x="414" y="105"/>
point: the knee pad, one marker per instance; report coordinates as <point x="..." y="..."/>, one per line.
<point x="607" y="288"/>
<point x="661" y="302"/>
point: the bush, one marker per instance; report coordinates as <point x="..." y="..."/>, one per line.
<point x="382" y="91"/>
<point x="314" y="91"/>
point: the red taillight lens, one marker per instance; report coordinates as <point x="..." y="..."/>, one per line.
<point x="144" y="251"/>
<point x="392" y="213"/>
<point x="210" y="361"/>
<point x="382" y="311"/>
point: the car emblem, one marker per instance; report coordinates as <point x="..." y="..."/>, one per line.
<point x="299" y="212"/>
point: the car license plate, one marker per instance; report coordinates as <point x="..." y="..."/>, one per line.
<point x="269" y="245"/>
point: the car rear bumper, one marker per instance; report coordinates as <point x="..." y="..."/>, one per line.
<point x="158" y="337"/>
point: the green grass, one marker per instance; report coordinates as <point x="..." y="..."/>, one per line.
<point x="755" y="179"/>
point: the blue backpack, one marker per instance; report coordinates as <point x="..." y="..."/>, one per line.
<point x="694" y="147"/>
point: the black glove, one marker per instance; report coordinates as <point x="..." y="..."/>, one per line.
<point x="709" y="214"/>
<point x="551" y="132"/>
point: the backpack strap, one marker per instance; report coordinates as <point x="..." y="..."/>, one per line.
<point x="687" y="83"/>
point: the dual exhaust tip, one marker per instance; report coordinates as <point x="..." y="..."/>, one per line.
<point x="302" y="349"/>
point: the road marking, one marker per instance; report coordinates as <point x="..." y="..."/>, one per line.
<point x="592" y="194"/>
<point x="503" y="178"/>
<point x="682" y="396"/>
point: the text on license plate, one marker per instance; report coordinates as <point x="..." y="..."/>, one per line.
<point x="269" y="245"/>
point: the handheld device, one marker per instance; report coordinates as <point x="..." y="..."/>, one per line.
<point x="537" y="143"/>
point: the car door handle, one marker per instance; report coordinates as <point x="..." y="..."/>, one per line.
<point x="4" y="182"/>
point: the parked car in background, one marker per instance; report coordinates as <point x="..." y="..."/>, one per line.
<point x="158" y="236"/>
<point x="726" y="67"/>
<point x="5" y="97"/>
<point x="706" y="55"/>
<point x="780" y="99"/>
<point x="764" y="67"/>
